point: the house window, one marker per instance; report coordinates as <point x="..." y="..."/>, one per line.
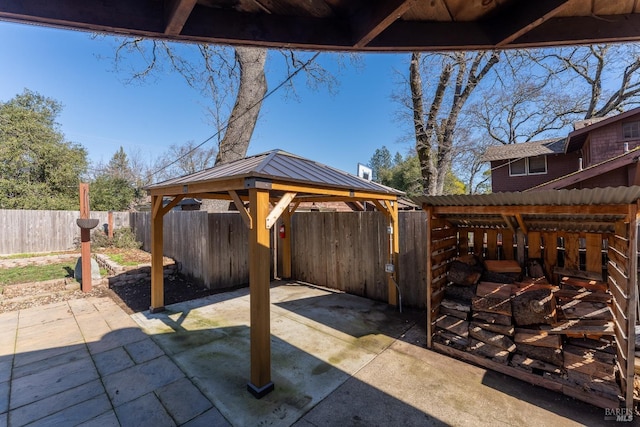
<point x="528" y="166"/>
<point x="631" y="130"/>
<point x="518" y="167"/>
<point x="537" y="165"/>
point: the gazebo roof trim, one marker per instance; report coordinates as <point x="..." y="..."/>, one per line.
<point x="281" y="166"/>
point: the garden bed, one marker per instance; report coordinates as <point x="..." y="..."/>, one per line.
<point x="129" y="287"/>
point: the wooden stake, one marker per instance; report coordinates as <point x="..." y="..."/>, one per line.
<point x="85" y="239"/>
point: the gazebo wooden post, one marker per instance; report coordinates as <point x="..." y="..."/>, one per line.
<point x="259" y="268"/>
<point x="286" y="244"/>
<point x="157" y="269"/>
<point x="395" y="246"/>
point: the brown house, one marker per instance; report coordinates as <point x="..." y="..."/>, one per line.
<point x="598" y="153"/>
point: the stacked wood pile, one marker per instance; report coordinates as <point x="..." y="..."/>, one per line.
<point x="563" y="333"/>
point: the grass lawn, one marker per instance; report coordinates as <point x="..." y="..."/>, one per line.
<point x="121" y="259"/>
<point x="35" y="273"/>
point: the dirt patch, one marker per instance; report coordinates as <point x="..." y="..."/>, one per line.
<point x="133" y="256"/>
<point x="131" y="298"/>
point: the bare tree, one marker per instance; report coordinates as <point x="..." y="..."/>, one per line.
<point x="605" y="76"/>
<point x="185" y="159"/>
<point x="435" y="126"/>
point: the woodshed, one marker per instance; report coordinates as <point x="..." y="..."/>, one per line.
<point x="539" y="285"/>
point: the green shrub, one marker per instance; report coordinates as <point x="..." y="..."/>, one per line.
<point x="123" y="238"/>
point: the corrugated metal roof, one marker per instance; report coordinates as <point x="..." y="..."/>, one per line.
<point x="524" y="149"/>
<point x="576" y="197"/>
<point x="280" y="165"/>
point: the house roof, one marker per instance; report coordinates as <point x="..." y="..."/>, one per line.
<point x="592" y="210"/>
<point x="577" y="138"/>
<point x="278" y="165"/>
<point x="524" y="149"/>
<point x="591" y="171"/>
<point x="364" y="25"/>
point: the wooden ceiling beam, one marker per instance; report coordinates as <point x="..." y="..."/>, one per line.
<point x="147" y="18"/>
<point x="372" y="19"/>
<point x="178" y="11"/>
<point x="520" y="17"/>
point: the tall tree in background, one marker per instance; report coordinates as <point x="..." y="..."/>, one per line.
<point x="39" y="169"/>
<point x="436" y="112"/>
<point x="114" y="188"/>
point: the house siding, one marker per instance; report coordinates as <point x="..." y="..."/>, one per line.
<point x="608" y="142"/>
<point x="557" y="165"/>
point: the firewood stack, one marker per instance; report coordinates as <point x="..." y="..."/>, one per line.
<point x="563" y="333"/>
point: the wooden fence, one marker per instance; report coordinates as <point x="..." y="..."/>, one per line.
<point x="339" y="250"/>
<point x="31" y="231"/>
<point x="212" y="249"/>
<point x="348" y="251"/>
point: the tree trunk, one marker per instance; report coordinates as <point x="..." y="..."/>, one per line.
<point x="244" y="116"/>
<point x="423" y="145"/>
<point x="251" y="89"/>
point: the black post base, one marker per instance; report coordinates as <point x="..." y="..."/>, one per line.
<point x="260" y="392"/>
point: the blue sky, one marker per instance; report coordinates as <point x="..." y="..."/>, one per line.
<point x="102" y="113"/>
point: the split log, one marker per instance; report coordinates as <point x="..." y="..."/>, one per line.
<point x="464" y="315"/>
<point x="464" y="274"/>
<point x="492" y="318"/>
<point x="492" y="276"/>
<point x="502" y="266"/>
<point x="495" y="290"/>
<point x="596" y="364"/>
<point x="591" y="285"/>
<point x="487" y="350"/>
<point x="537" y="338"/>
<point x="492" y="305"/>
<point x="582" y="295"/>
<point x="454" y="325"/>
<point x="452" y="340"/>
<point x="529" y="364"/>
<point x="535" y="268"/>
<point x="586" y="310"/>
<point x="531" y="308"/>
<point x="603" y="344"/>
<point x="492" y="338"/>
<point x="460" y="293"/>
<point x="591" y="384"/>
<point x="456" y="305"/>
<point x="494" y="327"/>
<point x="546" y="354"/>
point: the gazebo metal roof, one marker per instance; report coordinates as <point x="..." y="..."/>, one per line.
<point x="275" y="166"/>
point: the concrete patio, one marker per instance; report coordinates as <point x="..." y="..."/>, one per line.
<point x="337" y="359"/>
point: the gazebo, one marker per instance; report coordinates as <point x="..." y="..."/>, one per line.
<point x="273" y="184"/>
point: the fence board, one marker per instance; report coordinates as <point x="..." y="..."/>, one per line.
<point x="35" y="231"/>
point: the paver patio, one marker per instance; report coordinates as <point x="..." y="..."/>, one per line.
<point x="337" y="360"/>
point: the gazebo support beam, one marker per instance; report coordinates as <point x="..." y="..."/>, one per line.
<point x="157" y="273"/>
<point x="259" y="282"/>
<point x="392" y="298"/>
